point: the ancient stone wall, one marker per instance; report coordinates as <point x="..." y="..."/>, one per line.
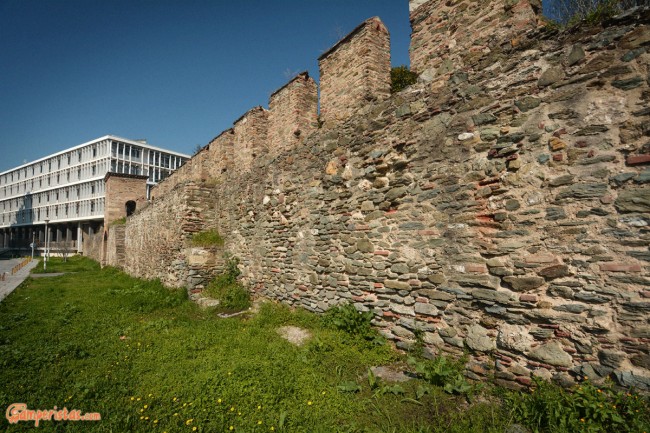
<point x="504" y="212"/>
<point x="450" y="36"/>
<point x="250" y="138"/>
<point x="355" y="72"/>
<point x="157" y="239"/>
<point x="121" y="188"/>
<point x="293" y="111"/>
<point x="114" y="253"/>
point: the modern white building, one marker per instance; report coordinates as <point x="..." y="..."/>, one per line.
<point x="67" y="188"/>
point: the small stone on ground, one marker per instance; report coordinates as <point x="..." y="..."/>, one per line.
<point x="293" y="334"/>
<point x="389" y="374"/>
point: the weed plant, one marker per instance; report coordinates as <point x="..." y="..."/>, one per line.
<point x="233" y="296"/>
<point x="207" y="238"/>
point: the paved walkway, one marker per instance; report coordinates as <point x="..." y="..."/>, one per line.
<point x="12" y="281"/>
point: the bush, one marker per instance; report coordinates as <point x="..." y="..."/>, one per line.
<point x="348" y="319"/>
<point x="207" y="238"/>
<point x="401" y="77"/>
<point x="588" y="408"/>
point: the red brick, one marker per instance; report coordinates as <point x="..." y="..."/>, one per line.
<point x="645" y="293"/>
<point x="541" y="258"/>
<point x="475" y="268"/>
<point x="415" y="283"/>
<point x="638" y="159"/>
<point x="382" y="252"/>
<point x="619" y="267"/>
<point x="428" y="186"/>
<point x="558" y="157"/>
<point x="276" y="270"/>
<point x="524" y="380"/>
<point x="528" y="298"/>
<point x="379" y="285"/>
<point x="390" y="314"/>
<point x="302" y="287"/>
<point x="427" y="232"/>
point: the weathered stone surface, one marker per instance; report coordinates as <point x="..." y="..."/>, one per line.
<point x="524" y="283"/>
<point x="633" y="200"/>
<point x="555" y="271"/>
<point x="477" y="339"/>
<point x="551" y="353"/>
<point x="514" y="337"/>
<point x="583" y="191"/>
<point x="550" y="76"/>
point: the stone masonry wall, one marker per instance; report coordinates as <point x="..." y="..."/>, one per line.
<point x="121" y="188"/>
<point x="505" y="212"/>
<point x="446" y="36"/>
<point x="355" y="71"/>
<point x="250" y="138"/>
<point x="115" y="253"/>
<point x="157" y="239"/>
<point x="293" y="111"/>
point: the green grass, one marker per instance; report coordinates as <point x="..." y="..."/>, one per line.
<point x="148" y="360"/>
<point x="74" y="263"/>
<point x="207" y="238"/>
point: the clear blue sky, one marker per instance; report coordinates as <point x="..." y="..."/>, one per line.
<point x="176" y="72"/>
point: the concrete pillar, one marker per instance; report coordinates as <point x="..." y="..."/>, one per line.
<point x="41" y="235"/>
<point x="68" y="233"/>
<point x="59" y="234"/>
<point x="79" y="238"/>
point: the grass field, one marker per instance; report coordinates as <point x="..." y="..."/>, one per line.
<point x="148" y="360"/>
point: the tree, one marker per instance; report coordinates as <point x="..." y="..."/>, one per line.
<point x="401" y="77"/>
<point x="197" y="149"/>
<point x="571" y="12"/>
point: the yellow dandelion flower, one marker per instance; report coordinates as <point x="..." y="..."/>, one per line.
<point x="141" y="417"/>
<point x="232" y="409"/>
<point x="184" y="404"/>
<point x="582" y="420"/>
<point x="259" y="407"/>
<point x="138" y="399"/>
<point x="176" y="414"/>
<point x="309" y="403"/>
<point x="69" y="397"/>
<point x="239" y="413"/>
<point x="132" y="398"/>
<point x="599" y="391"/>
<point x="175" y="399"/>
<point x="231" y="427"/>
<point x="189" y="421"/>
<point x="155" y="421"/>
<point x="146" y="418"/>
<point x="323" y="393"/>
<point x="229" y="374"/>
<point x="259" y="422"/>
<point x="272" y="428"/>
<point x="150" y="395"/>
<point x="194" y="428"/>
<point x="219" y="401"/>
<point x="141" y="410"/>
<point x="145" y="406"/>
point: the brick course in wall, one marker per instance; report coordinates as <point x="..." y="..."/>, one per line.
<point x="504" y="212"/>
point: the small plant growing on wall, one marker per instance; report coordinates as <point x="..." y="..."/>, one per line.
<point x="207" y="238"/>
<point x="233" y="296"/>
